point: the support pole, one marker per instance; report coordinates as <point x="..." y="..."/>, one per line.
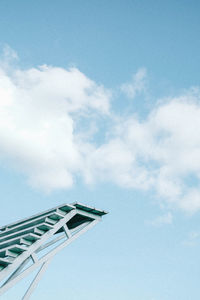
<point x="36" y="280"/>
<point x="16" y="272"/>
<point x="46" y="257"/>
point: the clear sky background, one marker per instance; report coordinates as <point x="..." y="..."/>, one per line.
<point x="100" y="104"/>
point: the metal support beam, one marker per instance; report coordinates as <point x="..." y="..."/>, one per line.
<point x="23" y="242"/>
<point x="36" y="280"/>
<point x="67" y="231"/>
<point x="36" y="245"/>
<point x="16" y="272"/>
<point x="34" y="257"/>
<point x="45" y="258"/>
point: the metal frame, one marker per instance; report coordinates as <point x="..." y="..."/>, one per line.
<point x="24" y="242"/>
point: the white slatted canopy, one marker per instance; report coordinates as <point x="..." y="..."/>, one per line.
<point x="38" y="238"/>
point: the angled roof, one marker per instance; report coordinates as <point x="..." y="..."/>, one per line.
<point x="18" y="237"/>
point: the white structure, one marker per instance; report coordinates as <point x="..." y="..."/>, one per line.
<point x="33" y="242"/>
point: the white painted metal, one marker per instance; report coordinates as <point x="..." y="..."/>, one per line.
<point x="67" y="231"/>
<point x="73" y="220"/>
<point x="36" y="280"/>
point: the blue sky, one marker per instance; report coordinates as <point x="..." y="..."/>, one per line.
<point x="100" y="103"/>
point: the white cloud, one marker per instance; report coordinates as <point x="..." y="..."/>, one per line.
<point x="160" y="153"/>
<point x="49" y="118"/>
<point x="137" y="84"/>
<point x="37" y="123"/>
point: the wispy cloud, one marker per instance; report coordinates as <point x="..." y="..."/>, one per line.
<point x="136" y="85"/>
<point x="8" y="56"/>
<point x="192" y="239"/>
<point x="162" y="220"/>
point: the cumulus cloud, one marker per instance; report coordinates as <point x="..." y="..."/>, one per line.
<point x="51" y="118"/>
<point x="37" y="123"/>
<point x="160" y="153"/>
